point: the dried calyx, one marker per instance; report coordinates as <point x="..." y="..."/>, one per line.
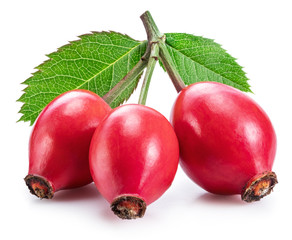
<point x="128" y="207"/>
<point x="39" y="186"/>
<point x="259" y="187"/>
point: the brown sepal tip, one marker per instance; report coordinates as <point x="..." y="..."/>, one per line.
<point x="259" y="187"/>
<point x="128" y="207"/>
<point x="39" y="186"/>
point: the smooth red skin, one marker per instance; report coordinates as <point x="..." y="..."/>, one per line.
<point x="134" y="151"/>
<point x="225" y="137"/>
<point x="60" y="140"/>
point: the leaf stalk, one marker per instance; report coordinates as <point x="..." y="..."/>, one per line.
<point x="127" y="80"/>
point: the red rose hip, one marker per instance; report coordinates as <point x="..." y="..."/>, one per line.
<point x="60" y="140"/>
<point x="227" y="142"/>
<point x="133" y="157"/>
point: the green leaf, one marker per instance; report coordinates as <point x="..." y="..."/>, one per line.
<point x="200" y="59"/>
<point x="96" y="62"/>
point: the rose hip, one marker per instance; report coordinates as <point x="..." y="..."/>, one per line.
<point x="60" y="140"/>
<point x="227" y="142"/>
<point x="133" y="158"/>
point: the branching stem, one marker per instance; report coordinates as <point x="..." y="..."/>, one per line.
<point x="156" y="48"/>
<point x="154" y="35"/>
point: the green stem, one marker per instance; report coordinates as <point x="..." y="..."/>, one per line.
<point x="150" y="67"/>
<point x="156" y="46"/>
<point x="154" y="34"/>
<point x="128" y="79"/>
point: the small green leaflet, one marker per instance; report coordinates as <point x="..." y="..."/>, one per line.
<point x="96" y="62"/>
<point x="200" y="59"/>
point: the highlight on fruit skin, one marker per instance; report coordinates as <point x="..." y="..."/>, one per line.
<point x="133" y="157"/>
<point x="227" y="141"/>
<point x="60" y="141"/>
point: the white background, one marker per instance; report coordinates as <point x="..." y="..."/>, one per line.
<point x="257" y="33"/>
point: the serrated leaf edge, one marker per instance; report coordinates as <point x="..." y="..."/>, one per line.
<point x="62" y="48"/>
<point x="246" y="88"/>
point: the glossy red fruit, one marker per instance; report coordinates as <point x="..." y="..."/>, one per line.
<point x="134" y="156"/>
<point x="60" y="140"/>
<point x="227" y="142"/>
